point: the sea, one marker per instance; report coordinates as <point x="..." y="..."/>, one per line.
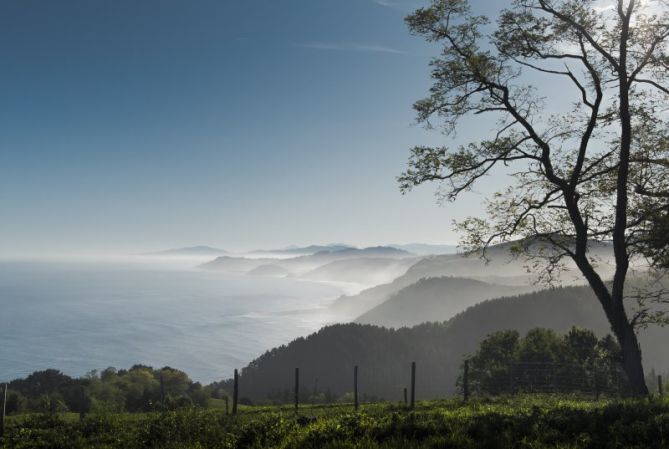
<point x="88" y="314"/>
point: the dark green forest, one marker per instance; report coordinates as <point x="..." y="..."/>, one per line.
<point x="326" y="358"/>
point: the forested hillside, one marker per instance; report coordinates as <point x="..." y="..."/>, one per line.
<point x="326" y="358"/>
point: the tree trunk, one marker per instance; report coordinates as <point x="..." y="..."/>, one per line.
<point x="631" y="352"/>
<point x="620" y="325"/>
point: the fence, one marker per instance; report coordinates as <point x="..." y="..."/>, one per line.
<point x="409" y="401"/>
<point x="518" y="378"/>
<point x="546" y="377"/>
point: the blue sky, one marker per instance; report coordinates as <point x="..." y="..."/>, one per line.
<point x="136" y="125"/>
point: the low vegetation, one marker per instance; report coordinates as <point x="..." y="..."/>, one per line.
<point x="144" y="407"/>
<point x="522" y="421"/>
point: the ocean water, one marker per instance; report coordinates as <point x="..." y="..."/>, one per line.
<point x="86" y="315"/>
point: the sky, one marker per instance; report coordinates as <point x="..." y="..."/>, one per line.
<point x="131" y="126"/>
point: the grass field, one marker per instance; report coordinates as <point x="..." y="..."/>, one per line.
<point x="519" y="422"/>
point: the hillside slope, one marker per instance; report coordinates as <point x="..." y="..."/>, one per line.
<point x="327" y="357"/>
<point x="369" y="271"/>
<point x="434" y="299"/>
<point x="500" y="268"/>
<point x="300" y="265"/>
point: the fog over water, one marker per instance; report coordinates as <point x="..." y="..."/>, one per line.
<point x="88" y="314"/>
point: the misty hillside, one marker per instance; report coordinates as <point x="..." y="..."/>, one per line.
<point x="303" y="264"/>
<point x="190" y="251"/>
<point x="434" y="299"/>
<point x="501" y="268"/>
<point x="384" y="355"/>
<point x="304" y="250"/>
<point x="501" y="265"/>
<point x="230" y="264"/>
<point x="300" y="265"/>
<point x="269" y="270"/>
<point x="372" y="251"/>
<point x="370" y="270"/>
<point x="427" y="249"/>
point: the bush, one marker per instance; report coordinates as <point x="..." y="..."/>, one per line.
<point x="523" y="422"/>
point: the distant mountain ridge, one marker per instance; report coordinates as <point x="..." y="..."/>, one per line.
<point x="300" y="265"/>
<point x="500" y="267"/>
<point x="234" y="264"/>
<point x="304" y="250"/>
<point x="200" y="250"/>
<point x="371" y="251"/>
<point x="427" y="248"/>
<point x="362" y="270"/>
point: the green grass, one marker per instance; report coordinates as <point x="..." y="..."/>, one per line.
<point x="518" y="422"/>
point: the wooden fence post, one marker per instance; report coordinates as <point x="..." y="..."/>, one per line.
<point x="355" y="386"/>
<point x="226" y="405"/>
<point x="162" y="391"/>
<point x="413" y="384"/>
<point x="4" y="411"/>
<point x="297" y="389"/>
<point x="511" y="382"/>
<point x="235" y="393"/>
<point x="465" y="383"/>
<point x="659" y="386"/>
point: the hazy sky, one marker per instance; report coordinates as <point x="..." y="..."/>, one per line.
<point x="133" y="125"/>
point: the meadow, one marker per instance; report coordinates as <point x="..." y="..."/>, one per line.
<point x="530" y="421"/>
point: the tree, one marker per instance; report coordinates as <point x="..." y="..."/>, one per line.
<point x="541" y="346"/>
<point x="77" y="398"/>
<point x="492" y="362"/>
<point x="542" y="359"/>
<point x="593" y="172"/>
